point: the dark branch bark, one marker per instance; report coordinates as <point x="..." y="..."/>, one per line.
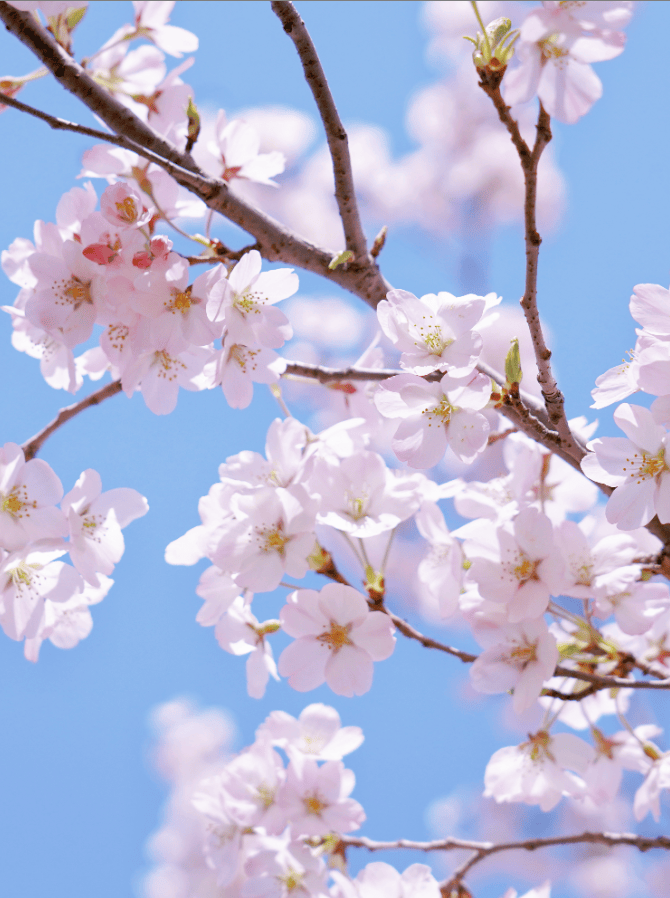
<point x="32" y="446"/>
<point x="338" y="143"/>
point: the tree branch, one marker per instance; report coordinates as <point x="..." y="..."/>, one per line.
<point x="484" y="850"/>
<point x="336" y="135"/>
<point x="643" y="843"/>
<point x="32" y="446"/>
<point x="276" y="242"/>
<point x="529" y="165"/>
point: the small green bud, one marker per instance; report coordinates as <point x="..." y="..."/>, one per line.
<point x="269" y="626"/>
<point x="513" y="372"/>
<point x="651" y="751"/>
<point x="74" y="16"/>
<point x="193" y="131"/>
<point x="495" y="46"/>
<point x="340" y="259"/>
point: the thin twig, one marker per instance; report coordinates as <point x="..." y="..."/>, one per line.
<point x="409" y="631"/>
<point x="32" y="446"/>
<point x="277" y="242"/>
<point x="643" y="843"/>
<point x="529" y="165"/>
<point x="338" y="143"/>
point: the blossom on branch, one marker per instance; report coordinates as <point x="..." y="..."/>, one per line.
<point x="336" y="640"/>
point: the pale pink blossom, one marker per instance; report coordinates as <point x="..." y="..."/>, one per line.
<point x="525" y="571"/>
<point x="66" y="623"/>
<point x="245" y="302"/>
<point x="236" y="368"/>
<point x="362" y="497"/>
<point x="517" y="657"/>
<point x="236" y="148"/>
<point x="317" y="732"/>
<point x="151" y="19"/>
<point x="160" y="373"/>
<point x="337" y="638"/>
<point x="635" y="466"/>
<point x="95" y="520"/>
<point x="441" y="571"/>
<point x="272" y="535"/>
<point x="379" y="880"/>
<point x="434" y="333"/>
<point x="539" y="771"/>
<point x="316" y="799"/>
<point x="123" y="206"/>
<point x="555" y="55"/>
<point x="436" y="415"/>
<point x="239" y="632"/>
<point x="285" y="869"/>
<point x="29" y="492"/>
<point x="27" y="579"/>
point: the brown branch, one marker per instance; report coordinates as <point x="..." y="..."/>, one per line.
<point x="529" y="165"/>
<point x="32" y="446"/>
<point x="409" y="631"/>
<point x="643" y="843"/>
<point x="277" y="242"/>
<point x="338" y="143"/>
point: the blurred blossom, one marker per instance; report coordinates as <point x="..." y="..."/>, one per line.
<point x="191" y="745"/>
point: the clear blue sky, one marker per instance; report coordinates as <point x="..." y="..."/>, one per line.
<point x="78" y="799"/>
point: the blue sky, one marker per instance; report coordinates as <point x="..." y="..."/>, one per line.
<point x="78" y="796"/>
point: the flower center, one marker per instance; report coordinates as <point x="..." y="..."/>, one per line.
<point x="274" y="539"/>
<point x="266" y="795"/>
<point x="77" y="292"/>
<point x="522" y="655"/>
<point x="525" y="570"/>
<point x="336" y="637"/>
<point x="126" y="210"/>
<point x="291" y="880"/>
<point x="314" y="804"/>
<point x="247" y="302"/>
<point x="166" y="364"/>
<point x="550" y="50"/>
<point x="181" y="301"/>
<point x="357" y="506"/>
<point x="645" y="466"/>
<point x="441" y="412"/>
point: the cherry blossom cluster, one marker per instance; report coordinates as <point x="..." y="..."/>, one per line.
<point x="558" y="599"/>
<point x="636" y="465"/>
<point x="435" y="334"/>
<point x="108" y="271"/>
<point x="41" y="597"/>
<point x="267" y="821"/>
<point x="259" y="526"/>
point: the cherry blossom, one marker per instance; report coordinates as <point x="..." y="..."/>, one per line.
<point x="539" y="771"/>
<point x="336" y="640"/>
<point x="29" y="491"/>
<point x="524" y="571"/>
<point x="95" y="520"/>
<point x="434" y="333"/>
<point x="555" y="52"/>
<point x="379" y="880"/>
<point x="518" y="657"/>
<point x="316" y="799"/>
<point x="317" y="732"/>
<point x="634" y="466"/>
<point x="245" y="302"/>
<point x="436" y="415"/>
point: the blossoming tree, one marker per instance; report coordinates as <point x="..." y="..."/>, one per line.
<point x="433" y="485"/>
